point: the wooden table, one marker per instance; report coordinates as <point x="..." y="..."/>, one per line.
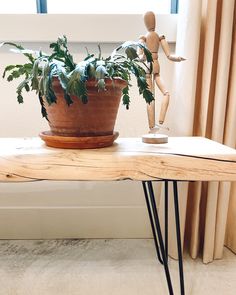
<point x="182" y="159"/>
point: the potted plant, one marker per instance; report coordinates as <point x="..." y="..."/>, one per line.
<point x="80" y="100"/>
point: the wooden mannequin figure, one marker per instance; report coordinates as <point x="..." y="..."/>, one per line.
<point x="152" y="40"/>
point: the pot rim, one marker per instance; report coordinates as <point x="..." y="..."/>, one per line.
<point x="94" y="80"/>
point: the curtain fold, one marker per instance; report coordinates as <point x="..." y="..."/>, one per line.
<point x="230" y="139"/>
<point x="205" y="101"/>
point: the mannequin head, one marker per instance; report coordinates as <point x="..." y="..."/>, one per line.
<point x="149" y="20"/>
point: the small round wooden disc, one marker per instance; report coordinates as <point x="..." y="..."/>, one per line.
<point x="82" y="142"/>
<point x="155" y="138"/>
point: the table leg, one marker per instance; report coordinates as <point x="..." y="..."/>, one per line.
<point x="155" y="224"/>
<point x="178" y="237"/>
<point x="166" y="217"/>
<point x="152" y="222"/>
<point x="154" y="219"/>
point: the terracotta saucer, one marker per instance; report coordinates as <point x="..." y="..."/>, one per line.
<point x="83" y="142"/>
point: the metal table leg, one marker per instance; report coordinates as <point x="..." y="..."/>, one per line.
<point x="152" y="223"/>
<point x="178" y="237"/>
<point x="154" y="219"/>
<point x="162" y="253"/>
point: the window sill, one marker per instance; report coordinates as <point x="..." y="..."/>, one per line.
<point x="104" y="28"/>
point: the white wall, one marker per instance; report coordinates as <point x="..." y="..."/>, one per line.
<point x="76" y="209"/>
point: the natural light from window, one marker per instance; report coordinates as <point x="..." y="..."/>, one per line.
<point x="108" y="6"/>
<point x="87" y="7"/>
<point x="17" y="6"/>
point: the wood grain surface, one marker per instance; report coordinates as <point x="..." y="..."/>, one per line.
<point x="182" y="158"/>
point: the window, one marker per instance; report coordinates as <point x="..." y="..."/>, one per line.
<point x="87" y="7"/>
<point x="108" y="6"/>
<point x="96" y="27"/>
<point x="17" y="6"/>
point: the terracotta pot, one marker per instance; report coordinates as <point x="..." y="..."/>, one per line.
<point x="96" y="118"/>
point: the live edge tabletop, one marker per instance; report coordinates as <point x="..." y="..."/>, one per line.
<point x="182" y="158"/>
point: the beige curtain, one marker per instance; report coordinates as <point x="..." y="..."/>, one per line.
<point x="204" y="100"/>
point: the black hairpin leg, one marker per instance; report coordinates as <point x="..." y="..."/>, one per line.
<point x="162" y="253"/>
<point x="178" y="237"/>
<point x="156" y="228"/>
<point x="166" y="217"/>
<point x="152" y="221"/>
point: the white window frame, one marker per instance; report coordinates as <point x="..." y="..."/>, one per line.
<point x="86" y="28"/>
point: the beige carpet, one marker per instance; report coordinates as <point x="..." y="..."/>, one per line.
<point x="104" y="267"/>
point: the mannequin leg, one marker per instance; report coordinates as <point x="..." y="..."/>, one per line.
<point x="151" y="106"/>
<point x="166" y="98"/>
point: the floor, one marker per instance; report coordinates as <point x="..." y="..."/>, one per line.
<point x="104" y="267"/>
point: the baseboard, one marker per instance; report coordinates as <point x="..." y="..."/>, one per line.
<point x="86" y="222"/>
<point x="54" y="210"/>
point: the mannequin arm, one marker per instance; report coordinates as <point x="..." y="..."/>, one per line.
<point x="166" y="49"/>
<point x="140" y="51"/>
